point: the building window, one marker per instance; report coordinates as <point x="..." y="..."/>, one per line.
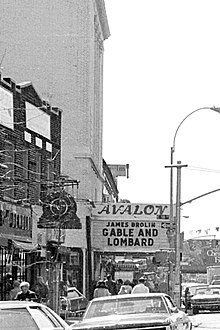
<point x="8" y="175"/>
<point x="25" y="174"/>
<point x="11" y="220"/>
<point x="27" y="137"/>
<point x="74" y="258"/>
<point x="38" y="142"/>
<point x="48" y="146"/>
<point x="14" y="220"/>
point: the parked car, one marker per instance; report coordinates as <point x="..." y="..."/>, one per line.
<point x="206" y="299"/>
<point x="216" y="278"/>
<point x="192" y="290"/>
<point x="74" y="304"/>
<point x="133" y="311"/>
<point x="27" y="315"/>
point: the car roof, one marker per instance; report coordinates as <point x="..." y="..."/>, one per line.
<point x="217" y="286"/>
<point x="72" y="288"/>
<point x="132" y="295"/>
<point x="17" y="304"/>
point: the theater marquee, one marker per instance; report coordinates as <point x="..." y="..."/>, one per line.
<point x="130" y="227"/>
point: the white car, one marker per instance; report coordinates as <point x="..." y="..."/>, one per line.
<point x="27" y="315"/>
<point x="147" y="311"/>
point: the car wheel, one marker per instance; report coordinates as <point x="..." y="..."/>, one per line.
<point x="195" y="310"/>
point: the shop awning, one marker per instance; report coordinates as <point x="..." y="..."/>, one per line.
<point x="25" y="245"/>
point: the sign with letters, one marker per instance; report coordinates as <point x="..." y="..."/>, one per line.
<point x="122" y="227"/>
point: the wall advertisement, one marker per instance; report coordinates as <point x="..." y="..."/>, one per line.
<point x="130" y="227"/>
<point x="37" y="120"/>
<point x="6" y="108"/>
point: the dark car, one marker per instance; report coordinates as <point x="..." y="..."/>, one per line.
<point x="27" y="315"/>
<point x="133" y="311"/>
<point x="74" y="304"/>
<point x="206" y="299"/>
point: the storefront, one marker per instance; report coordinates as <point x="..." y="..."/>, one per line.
<point x="63" y="235"/>
<point x="17" y="251"/>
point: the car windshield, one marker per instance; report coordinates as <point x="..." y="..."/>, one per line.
<point x="194" y="290"/>
<point x="19" y="319"/>
<point x="208" y="291"/>
<point x="124" y="306"/>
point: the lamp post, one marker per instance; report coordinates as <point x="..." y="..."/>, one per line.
<point x="176" y="245"/>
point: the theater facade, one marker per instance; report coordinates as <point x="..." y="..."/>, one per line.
<point x="126" y="230"/>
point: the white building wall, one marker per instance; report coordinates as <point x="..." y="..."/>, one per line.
<point x="58" y="45"/>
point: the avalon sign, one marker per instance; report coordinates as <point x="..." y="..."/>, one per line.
<point x="130" y="227"/>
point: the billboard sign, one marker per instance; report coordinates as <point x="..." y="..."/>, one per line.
<point x="122" y="227"/>
<point x="37" y="120"/>
<point x="6" y="108"/>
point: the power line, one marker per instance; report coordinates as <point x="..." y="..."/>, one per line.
<point x="203" y="169"/>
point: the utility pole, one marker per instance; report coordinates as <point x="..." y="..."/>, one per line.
<point x="177" y="287"/>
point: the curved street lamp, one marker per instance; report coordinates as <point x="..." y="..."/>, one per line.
<point x="178" y="204"/>
<point x="173" y="150"/>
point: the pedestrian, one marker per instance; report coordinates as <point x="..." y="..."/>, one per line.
<point x="111" y="285"/>
<point x="41" y="290"/>
<point x="128" y="286"/>
<point x="101" y="290"/>
<point x="187" y="299"/>
<point x="156" y="287"/>
<point x="8" y="285"/>
<point x="123" y="290"/>
<point x="119" y="283"/>
<point x="25" y="293"/>
<point x="15" y="290"/>
<point x="140" y="287"/>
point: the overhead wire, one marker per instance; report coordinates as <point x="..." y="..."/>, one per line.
<point x="203" y="169"/>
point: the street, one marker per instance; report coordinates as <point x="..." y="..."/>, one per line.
<point x="206" y="320"/>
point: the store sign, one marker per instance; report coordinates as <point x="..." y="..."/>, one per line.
<point x="130" y="227"/>
<point x="59" y="211"/>
<point x="118" y="170"/>
<point x="152" y="211"/>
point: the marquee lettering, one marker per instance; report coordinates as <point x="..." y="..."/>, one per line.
<point x="148" y="232"/>
<point x="117" y="224"/>
<point x="130" y="241"/>
<point x="139" y="209"/>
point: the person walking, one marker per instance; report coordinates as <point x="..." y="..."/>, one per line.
<point x="15" y="290"/>
<point x="111" y="285"/>
<point x="119" y="283"/>
<point x="128" y="286"/>
<point x="26" y="294"/>
<point x="101" y="290"/>
<point x="187" y="299"/>
<point x="41" y="290"/>
<point x="123" y="290"/>
<point x="140" y="287"/>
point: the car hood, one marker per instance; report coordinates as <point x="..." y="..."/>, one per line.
<point x="122" y="321"/>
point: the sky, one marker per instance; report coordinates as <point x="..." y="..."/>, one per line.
<point x="161" y="62"/>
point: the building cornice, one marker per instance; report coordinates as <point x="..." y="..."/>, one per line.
<point x="93" y="165"/>
<point x="100" y="5"/>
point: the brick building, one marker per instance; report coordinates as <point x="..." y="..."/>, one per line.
<point x="61" y="44"/>
<point x="29" y="161"/>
